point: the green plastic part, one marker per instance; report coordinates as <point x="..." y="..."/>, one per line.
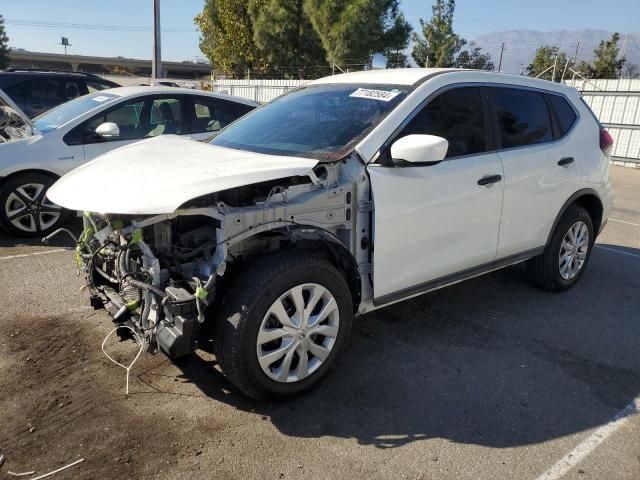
<point x="84" y="236"/>
<point x="201" y="293"/>
<point x="132" y="305"/>
<point x="136" y="236"/>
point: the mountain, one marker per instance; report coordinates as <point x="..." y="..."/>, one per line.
<point x="520" y="45"/>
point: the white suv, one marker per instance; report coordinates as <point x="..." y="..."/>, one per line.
<point x="348" y="194"/>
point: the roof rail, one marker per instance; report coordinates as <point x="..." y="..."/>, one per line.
<point x="48" y="70"/>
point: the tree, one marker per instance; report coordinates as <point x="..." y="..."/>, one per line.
<point x="396" y="40"/>
<point x="474" y="59"/>
<point x="284" y="34"/>
<point x="438" y="44"/>
<point x="606" y="63"/>
<point x="227" y="37"/>
<point x="544" y="60"/>
<point x="351" y="31"/>
<point x="4" y="45"/>
<point x="630" y="71"/>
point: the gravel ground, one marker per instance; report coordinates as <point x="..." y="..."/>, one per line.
<point x="487" y="379"/>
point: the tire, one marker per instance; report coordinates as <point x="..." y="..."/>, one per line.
<point x="245" y="312"/>
<point x="551" y="272"/>
<point x="25" y="210"/>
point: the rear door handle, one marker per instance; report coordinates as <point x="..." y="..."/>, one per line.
<point x="563" y="162"/>
<point x="489" y="179"/>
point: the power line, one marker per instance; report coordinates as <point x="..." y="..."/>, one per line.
<point x="88" y="26"/>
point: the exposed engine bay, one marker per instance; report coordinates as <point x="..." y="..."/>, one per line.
<point x="160" y="274"/>
<point x="12" y="125"/>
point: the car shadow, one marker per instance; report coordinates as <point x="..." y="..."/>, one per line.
<point x="492" y="361"/>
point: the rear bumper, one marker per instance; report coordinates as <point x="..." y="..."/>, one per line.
<point x="607" y="203"/>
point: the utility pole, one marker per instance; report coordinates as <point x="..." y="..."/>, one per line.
<point x="553" y="74"/>
<point x="156" y="59"/>
<point x="501" y="53"/>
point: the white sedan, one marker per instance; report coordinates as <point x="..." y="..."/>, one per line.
<point x="35" y="153"/>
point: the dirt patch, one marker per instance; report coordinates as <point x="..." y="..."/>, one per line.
<point x="61" y="401"/>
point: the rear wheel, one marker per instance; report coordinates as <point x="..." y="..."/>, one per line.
<point x="282" y="325"/>
<point x="25" y="209"/>
<point x="566" y="256"/>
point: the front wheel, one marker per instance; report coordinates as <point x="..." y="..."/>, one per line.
<point x="282" y="325"/>
<point x="565" y="258"/>
<point x="25" y="209"/>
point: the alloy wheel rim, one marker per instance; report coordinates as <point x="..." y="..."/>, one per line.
<point x="28" y="209"/>
<point x="573" y="250"/>
<point x="298" y="333"/>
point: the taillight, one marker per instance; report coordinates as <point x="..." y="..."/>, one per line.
<point x="606" y="142"/>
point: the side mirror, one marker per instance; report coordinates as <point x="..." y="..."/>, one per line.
<point x="420" y="149"/>
<point x="108" y="130"/>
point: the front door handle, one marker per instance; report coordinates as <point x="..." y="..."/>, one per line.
<point x="489" y="179"/>
<point x="563" y="162"/>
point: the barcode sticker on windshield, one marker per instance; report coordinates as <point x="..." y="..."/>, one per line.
<point x="100" y="98"/>
<point x="383" y="95"/>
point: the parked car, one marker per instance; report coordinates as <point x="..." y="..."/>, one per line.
<point x="348" y="194"/>
<point x="33" y="154"/>
<point x="36" y="91"/>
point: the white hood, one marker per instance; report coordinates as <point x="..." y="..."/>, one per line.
<point x="160" y="174"/>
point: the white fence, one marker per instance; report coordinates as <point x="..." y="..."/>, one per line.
<point x="606" y="85"/>
<point x="258" y="90"/>
<point x="616" y="103"/>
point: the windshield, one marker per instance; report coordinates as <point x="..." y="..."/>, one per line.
<point x="60" y="115"/>
<point x="320" y="121"/>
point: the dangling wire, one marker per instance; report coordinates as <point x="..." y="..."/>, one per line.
<point x="138" y="340"/>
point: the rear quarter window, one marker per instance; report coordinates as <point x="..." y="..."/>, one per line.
<point x="565" y="114"/>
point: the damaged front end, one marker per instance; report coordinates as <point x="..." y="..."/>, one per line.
<point x="155" y="275"/>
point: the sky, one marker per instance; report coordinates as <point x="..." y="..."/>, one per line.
<point x="123" y="27"/>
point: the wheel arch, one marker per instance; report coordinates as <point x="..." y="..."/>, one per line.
<point x="317" y="241"/>
<point x="40" y="171"/>
<point x="587" y="198"/>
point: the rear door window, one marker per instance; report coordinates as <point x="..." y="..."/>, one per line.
<point x="166" y="117"/>
<point x="96" y="85"/>
<point x="523" y="117"/>
<point x="565" y="114"/>
<point x="456" y="115"/>
<point x="212" y="114"/>
<point x="70" y="89"/>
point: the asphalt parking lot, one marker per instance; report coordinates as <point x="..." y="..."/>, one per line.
<point x="487" y="379"/>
